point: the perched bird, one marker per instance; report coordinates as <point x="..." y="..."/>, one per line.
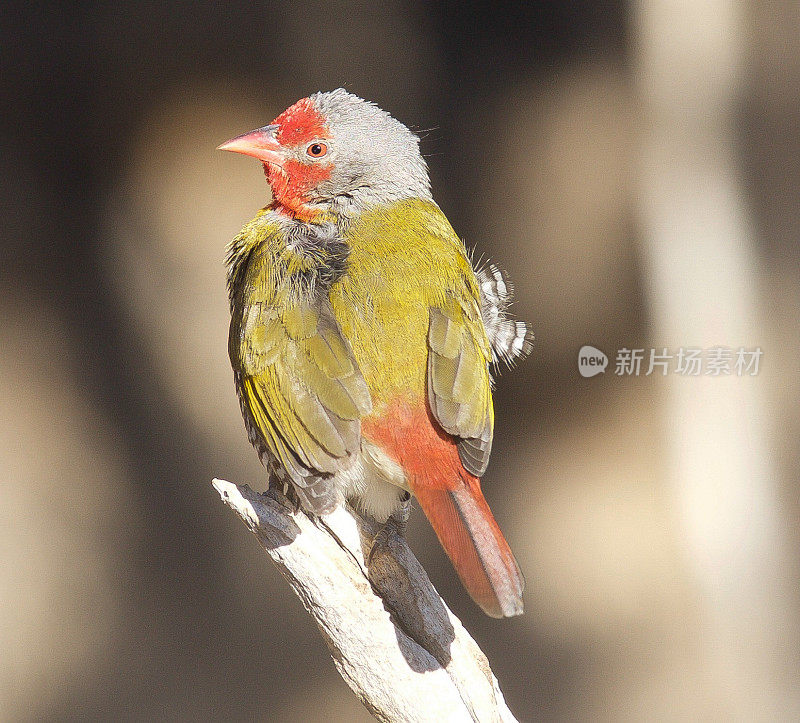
<point x="362" y="338"/>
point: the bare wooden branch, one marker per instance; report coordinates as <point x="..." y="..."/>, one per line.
<point x="392" y="638"/>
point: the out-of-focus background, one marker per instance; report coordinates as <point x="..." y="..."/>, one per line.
<point x="634" y="166"/>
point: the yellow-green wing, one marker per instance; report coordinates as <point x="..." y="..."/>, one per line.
<point x="301" y="385"/>
<point x="459" y="384"/>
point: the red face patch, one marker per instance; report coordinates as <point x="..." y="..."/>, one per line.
<point x="300" y="123"/>
<point x="291" y="184"/>
<point x="297" y="125"/>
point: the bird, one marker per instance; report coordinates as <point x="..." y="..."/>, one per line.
<point x="363" y="340"/>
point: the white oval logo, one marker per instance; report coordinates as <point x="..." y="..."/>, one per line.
<point x="591" y="361"/>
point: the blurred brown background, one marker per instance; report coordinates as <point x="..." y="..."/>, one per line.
<point x="634" y="166"/>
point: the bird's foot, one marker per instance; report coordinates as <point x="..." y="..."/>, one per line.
<point x="395" y="525"/>
<point x="281" y="487"/>
<point x="399" y="580"/>
<point x="399" y="518"/>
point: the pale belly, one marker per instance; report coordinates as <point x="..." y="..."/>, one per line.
<point x="375" y="483"/>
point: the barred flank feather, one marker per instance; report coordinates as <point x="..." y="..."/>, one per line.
<point x="510" y="338"/>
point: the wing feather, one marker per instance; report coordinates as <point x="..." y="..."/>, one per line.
<point x="303" y="389"/>
<point x="459" y="384"/>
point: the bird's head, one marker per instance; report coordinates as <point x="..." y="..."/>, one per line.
<point x="338" y="153"/>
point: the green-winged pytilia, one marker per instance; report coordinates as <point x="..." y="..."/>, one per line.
<point x="362" y="339"/>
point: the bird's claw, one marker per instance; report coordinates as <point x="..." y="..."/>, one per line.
<point x="395" y="524"/>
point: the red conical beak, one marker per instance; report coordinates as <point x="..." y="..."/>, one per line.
<point x="260" y="143"/>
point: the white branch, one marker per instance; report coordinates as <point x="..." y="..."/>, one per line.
<point x="392" y="638"/>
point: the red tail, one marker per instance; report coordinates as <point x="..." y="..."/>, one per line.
<point x="472" y="539"/>
<point x="453" y="502"/>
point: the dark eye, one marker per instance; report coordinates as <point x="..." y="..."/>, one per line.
<point x="317" y="150"/>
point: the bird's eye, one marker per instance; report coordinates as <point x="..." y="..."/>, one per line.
<point x="317" y="150"/>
